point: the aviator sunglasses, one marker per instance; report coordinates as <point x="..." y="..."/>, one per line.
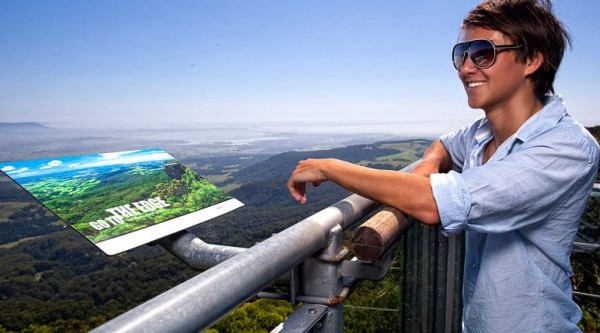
<point x="482" y="52"/>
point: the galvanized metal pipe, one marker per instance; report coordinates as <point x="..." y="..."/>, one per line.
<point x="199" y="302"/>
<point x="196" y="253"/>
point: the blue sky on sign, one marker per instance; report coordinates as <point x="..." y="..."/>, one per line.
<point x="134" y="63"/>
<point x="29" y="168"/>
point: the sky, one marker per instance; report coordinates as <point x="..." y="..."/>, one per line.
<point x="134" y="63"/>
<point x="28" y="168"/>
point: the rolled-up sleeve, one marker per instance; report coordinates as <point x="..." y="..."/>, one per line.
<point x="453" y="201"/>
<point x="517" y="189"/>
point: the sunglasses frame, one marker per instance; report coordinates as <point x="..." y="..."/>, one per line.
<point x="466" y="54"/>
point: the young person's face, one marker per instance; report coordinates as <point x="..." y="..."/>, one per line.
<point x="495" y="86"/>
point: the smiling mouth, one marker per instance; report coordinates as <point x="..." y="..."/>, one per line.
<point x="475" y="84"/>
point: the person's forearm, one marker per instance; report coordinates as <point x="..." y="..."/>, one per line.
<point x="409" y="193"/>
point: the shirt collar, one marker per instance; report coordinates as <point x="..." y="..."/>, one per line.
<point x="484" y="131"/>
<point x="552" y="112"/>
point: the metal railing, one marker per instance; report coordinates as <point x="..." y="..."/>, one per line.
<point x="310" y="256"/>
<point x="587" y="247"/>
<point x="202" y="300"/>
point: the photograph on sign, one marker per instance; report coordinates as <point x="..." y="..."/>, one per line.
<point x="121" y="200"/>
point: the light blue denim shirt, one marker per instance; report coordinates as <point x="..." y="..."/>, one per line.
<point x="521" y="212"/>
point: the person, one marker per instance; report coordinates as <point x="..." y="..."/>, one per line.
<point x="515" y="181"/>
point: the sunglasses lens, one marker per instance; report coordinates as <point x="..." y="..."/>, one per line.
<point x="481" y="53"/>
<point x="458" y="54"/>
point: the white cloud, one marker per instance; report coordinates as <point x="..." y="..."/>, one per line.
<point x="52" y="164"/>
<point x="15" y="171"/>
<point x="109" y="156"/>
<point x="8" y="168"/>
<point x="21" y="170"/>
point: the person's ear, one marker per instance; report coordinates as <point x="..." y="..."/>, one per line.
<point x="534" y="63"/>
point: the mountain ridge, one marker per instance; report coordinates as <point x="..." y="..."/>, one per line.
<point x="23" y="125"/>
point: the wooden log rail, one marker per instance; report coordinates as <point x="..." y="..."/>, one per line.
<point x="374" y="237"/>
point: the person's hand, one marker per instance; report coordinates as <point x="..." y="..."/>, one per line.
<point x="435" y="160"/>
<point x="307" y="171"/>
<point x="426" y="168"/>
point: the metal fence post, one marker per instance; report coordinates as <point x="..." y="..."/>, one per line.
<point x="322" y="279"/>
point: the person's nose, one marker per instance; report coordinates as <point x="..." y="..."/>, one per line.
<point x="467" y="65"/>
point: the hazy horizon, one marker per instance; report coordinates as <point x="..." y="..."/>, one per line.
<point x="191" y="141"/>
<point x="409" y="128"/>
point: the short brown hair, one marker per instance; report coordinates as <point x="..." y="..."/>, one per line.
<point x="532" y="24"/>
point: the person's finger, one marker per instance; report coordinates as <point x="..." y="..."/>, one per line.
<point x="297" y="190"/>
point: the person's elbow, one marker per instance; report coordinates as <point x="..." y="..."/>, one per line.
<point x="428" y="217"/>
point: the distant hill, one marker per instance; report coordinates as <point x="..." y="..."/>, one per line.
<point x="262" y="186"/>
<point x="282" y="164"/>
<point x="28" y="127"/>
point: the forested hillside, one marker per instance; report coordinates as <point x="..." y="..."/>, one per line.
<point x="53" y="280"/>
